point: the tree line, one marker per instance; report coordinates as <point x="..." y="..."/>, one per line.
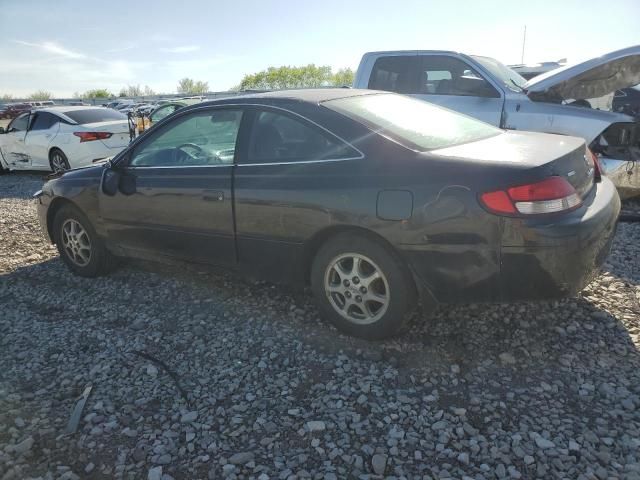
<point x="273" y="78"/>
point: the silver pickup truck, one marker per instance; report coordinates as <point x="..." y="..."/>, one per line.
<point x="561" y="101"/>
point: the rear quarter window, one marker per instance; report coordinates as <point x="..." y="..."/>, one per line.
<point x="416" y="124"/>
<point x="95" y="115"/>
<point x="394" y="74"/>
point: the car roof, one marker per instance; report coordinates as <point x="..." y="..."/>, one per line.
<point x="410" y="52"/>
<point x="68" y="108"/>
<point x="307" y="95"/>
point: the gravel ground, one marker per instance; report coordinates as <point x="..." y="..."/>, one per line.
<point x="198" y="375"/>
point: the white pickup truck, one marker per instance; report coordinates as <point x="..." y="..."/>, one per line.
<point x="554" y="102"/>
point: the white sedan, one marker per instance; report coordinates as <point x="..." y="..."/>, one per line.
<point x="60" y="138"/>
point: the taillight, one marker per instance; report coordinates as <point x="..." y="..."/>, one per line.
<point x="552" y="195"/>
<point x="91" y="136"/>
<point x="597" y="168"/>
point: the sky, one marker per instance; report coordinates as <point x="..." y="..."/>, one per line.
<point x="66" y="46"/>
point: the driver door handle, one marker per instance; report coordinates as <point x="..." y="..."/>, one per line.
<point x="213" y="195"/>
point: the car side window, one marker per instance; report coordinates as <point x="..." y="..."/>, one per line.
<point x="199" y="138"/>
<point x="394" y="74"/>
<point x="278" y="137"/>
<point x="163" y="112"/>
<point x="19" y="124"/>
<point x="43" y="121"/>
<point x="445" y="75"/>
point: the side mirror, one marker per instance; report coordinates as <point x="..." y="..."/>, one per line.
<point x="474" y="86"/>
<point x="110" y="181"/>
<point x="114" y="181"/>
<point x="127" y="184"/>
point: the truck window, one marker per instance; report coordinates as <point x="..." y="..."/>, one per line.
<point x="442" y="74"/>
<point x="394" y="74"/>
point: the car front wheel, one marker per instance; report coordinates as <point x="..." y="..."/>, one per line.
<point x="80" y="248"/>
<point x="362" y="287"/>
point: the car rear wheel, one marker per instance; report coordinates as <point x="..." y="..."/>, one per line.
<point x="80" y="247"/>
<point x="362" y="287"/>
<point x="58" y="161"/>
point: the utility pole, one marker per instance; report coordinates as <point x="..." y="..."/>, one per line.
<point x="524" y="39"/>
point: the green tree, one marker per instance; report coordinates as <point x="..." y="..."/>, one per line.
<point x="41" y="95"/>
<point x="123" y="92"/>
<point x="131" y="91"/>
<point x="6" y="97"/>
<point x="98" y="93"/>
<point x="190" y="86"/>
<point x="185" y="85"/>
<point x="307" y="76"/>
<point x="343" y="77"/>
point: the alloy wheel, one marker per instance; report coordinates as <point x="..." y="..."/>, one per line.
<point x="357" y="288"/>
<point x="58" y="162"/>
<point x="76" y="242"/>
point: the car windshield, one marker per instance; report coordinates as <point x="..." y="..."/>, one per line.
<point x="413" y="123"/>
<point x="508" y="77"/>
<point x="94" y="115"/>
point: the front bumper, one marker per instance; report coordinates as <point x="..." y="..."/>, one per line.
<point x="42" y="208"/>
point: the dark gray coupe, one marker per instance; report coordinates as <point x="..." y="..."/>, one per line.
<point x="374" y="199"/>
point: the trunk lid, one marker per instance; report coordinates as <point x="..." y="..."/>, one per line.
<point x="591" y="79"/>
<point x="534" y="156"/>
<point x="119" y="128"/>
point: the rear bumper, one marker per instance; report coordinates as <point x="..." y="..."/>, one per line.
<point x="558" y="257"/>
<point x="528" y="259"/>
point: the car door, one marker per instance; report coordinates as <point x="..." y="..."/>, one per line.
<point x="12" y="143"/>
<point x="453" y="83"/>
<point x="283" y="167"/>
<point x="177" y="198"/>
<point x="43" y="128"/>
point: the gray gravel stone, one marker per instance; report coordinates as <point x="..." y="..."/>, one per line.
<point x="155" y="473"/>
<point x="241" y="458"/>
<point x="379" y="463"/>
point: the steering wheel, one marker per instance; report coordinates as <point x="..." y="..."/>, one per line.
<point x="191" y="145"/>
<point x="201" y="152"/>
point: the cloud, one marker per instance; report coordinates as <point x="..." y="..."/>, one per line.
<point x="121" y="49"/>
<point x="182" y="49"/>
<point x="52" y="48"/>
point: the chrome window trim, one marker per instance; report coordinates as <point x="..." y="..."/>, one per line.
<point x="298" y="162"/>
<point x="180" y="166"/>
<point x="265" y="107"/>
<point x="349" y="144"/>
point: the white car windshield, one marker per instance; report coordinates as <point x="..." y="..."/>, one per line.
<point x="416" y="124"/>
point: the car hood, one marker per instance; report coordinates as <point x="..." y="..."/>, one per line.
<point x="591" y="79"/>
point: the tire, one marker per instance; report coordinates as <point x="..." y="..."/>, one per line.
<point x="80" y="247"/>
<point x="349" y="298"/>
<point x="58" y="160"/>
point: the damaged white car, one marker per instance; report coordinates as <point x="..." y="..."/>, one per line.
<point x="563" y="101"/>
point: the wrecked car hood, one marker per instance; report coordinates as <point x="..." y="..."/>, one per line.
<point x="591" y="79"/>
